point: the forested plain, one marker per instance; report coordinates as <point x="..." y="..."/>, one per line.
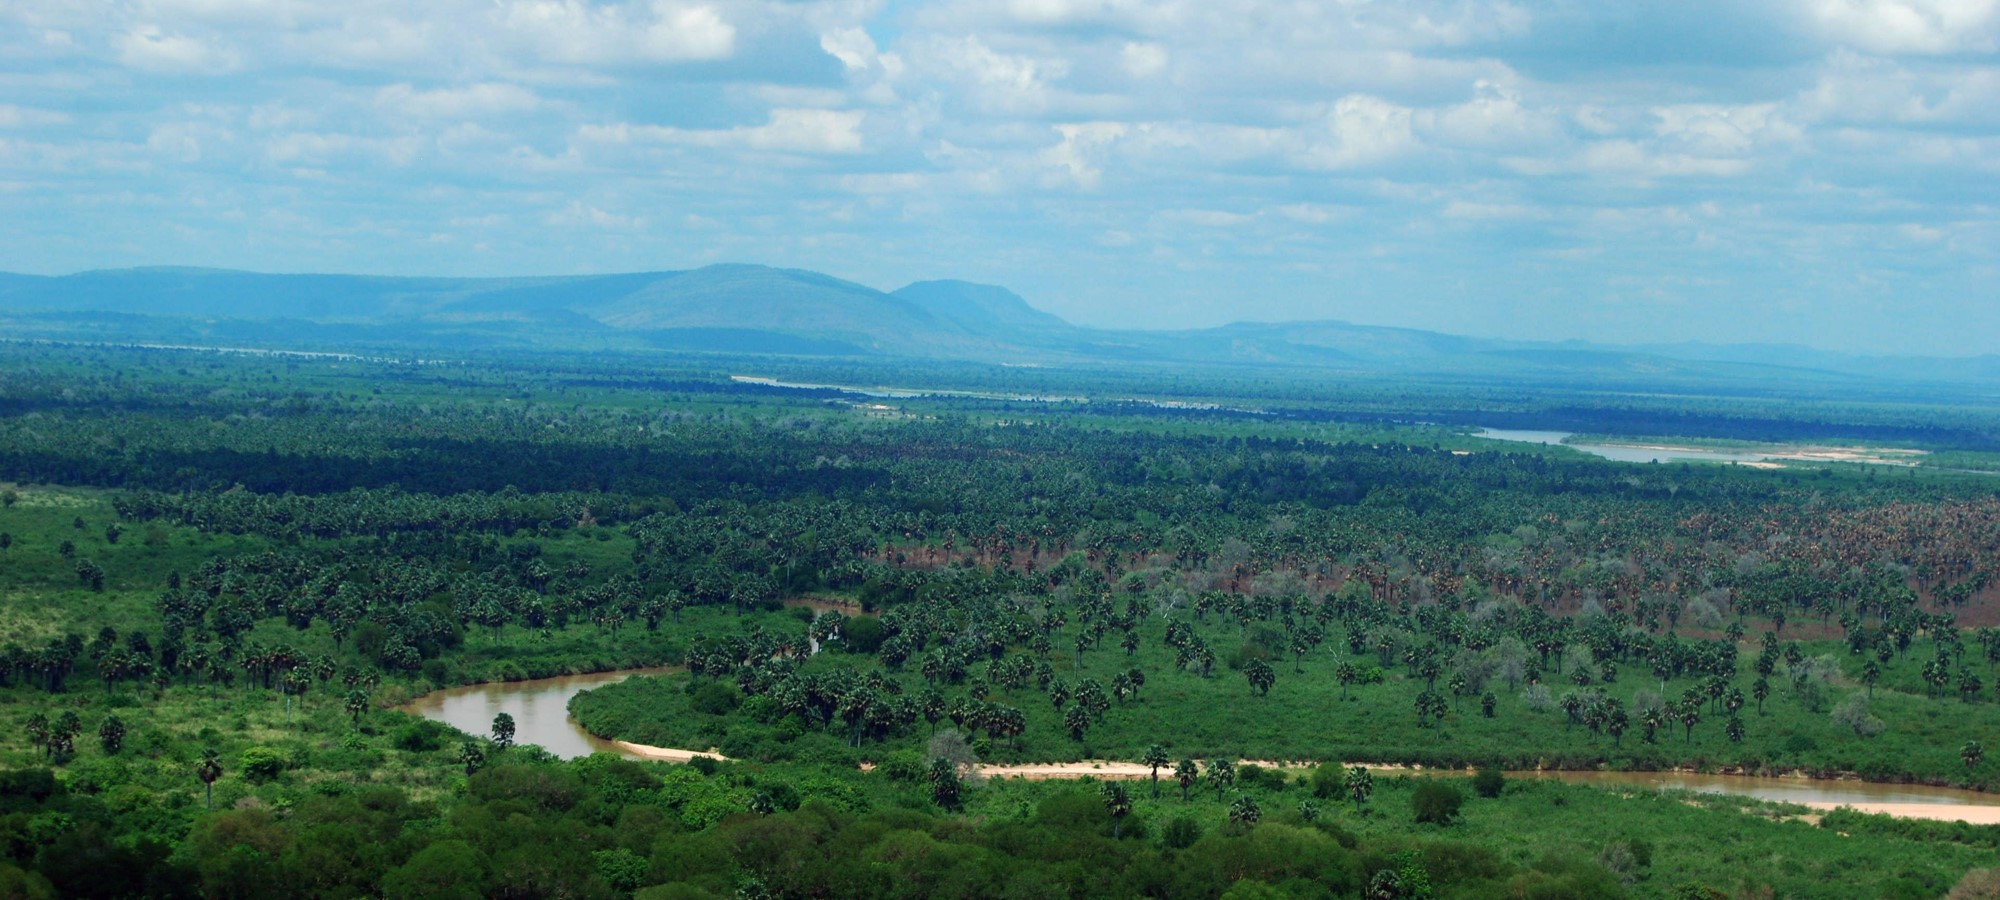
<point x="221" y="574"/>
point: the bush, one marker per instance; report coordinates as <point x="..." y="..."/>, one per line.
<point x="1436" y="802"/>
<point x="716" y="698"/>
<point x="261" y="764"/>
<point x="424" y="736"/>
<point x="902" y="765"/>
<point x="1489" y="783"/>
<point x="1181" y="833"/>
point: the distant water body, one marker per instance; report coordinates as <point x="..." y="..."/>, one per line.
<point x="1625" y="453"/>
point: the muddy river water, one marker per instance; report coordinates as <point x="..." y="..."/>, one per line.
<point x="540" y="708"/>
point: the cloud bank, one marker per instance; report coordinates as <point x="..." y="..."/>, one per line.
<point x="1818" y="171"/>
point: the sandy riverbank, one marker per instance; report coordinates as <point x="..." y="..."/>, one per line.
<point x="665" y="754"/>
<point x="1974" y="815"/>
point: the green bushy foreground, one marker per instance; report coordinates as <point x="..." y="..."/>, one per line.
<point x="220" y="575"/>
<point x="385" y="808"/>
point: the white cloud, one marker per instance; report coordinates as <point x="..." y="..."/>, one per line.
<point x="787" y="131"/>
<point x="147" y="47"/>
<point x="1003" y="83"/>
<point x="1863" y="89"/>
<point x="1359" y="131"/>
<point x="852" y="46"/>
<point x="12" y="116"/>
<point x="1143" y="60"/>
<point x="1911" y="26"/>
<point x="456" y="103"/>
<point x="1723" y="131"/>
<point x="580" y="213"/>
<point x="1494" y="119"/>
<point x="1466" y="209"/>
<point x="580" y="33"/>
<point x="1078" y="157"/>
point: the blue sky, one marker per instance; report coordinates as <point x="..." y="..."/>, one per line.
<point x="1814" y="171"/>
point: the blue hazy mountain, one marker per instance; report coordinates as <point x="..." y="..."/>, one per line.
<point x="759" y="309"/>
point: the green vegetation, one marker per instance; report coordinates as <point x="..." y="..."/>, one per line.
<point x="220" y="575"/>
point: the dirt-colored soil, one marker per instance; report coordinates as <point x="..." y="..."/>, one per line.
<point x="665" y="754"/>
<point x="1975" y="815"/>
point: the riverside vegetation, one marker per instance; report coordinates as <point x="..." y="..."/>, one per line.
<point x="222" y="573"/>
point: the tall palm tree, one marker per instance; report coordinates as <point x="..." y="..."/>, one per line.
<point x="1360" y="785"/>
<point x="1222" y="774"/>
<point x="1244" y="811"/>
<point x="111" y="734"/>
<point x="208" y="770"/>
<point x="1119" y="803"/>
<point x="1186" y="772"/>
<point x="1156" y="757"/>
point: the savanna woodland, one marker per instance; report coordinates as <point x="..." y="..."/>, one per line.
<point x="225" y="575"/>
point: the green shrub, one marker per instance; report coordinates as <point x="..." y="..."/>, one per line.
<point x="1489" y="783"/>
<point x="716" y="698"/>
<point x="1181" y="833"/>
<point x="1436" y="802"/>
<point x="261" y="764"/>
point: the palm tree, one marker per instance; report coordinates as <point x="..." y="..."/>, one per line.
<point x="1346" y="674"/>
<point x="208" y="770"/>
<point x="1077" y="720"/>
<point x="945" y="786"/>
<point x="111" y="734"/>
<point x="503" y="730"/>
<point x="1261" y="676"/>
<point x="1186" y="772"/>
<point x="1118" y="803"/>
<point x="472" y="755"/>
<point x="1222" y="774"/>
<point x="1360" y="784"/>
<point x="38" y="732"/>
<point x="1243" y="811"/>
<point x="357" y="703"/>
<point x="1156" y="757"/>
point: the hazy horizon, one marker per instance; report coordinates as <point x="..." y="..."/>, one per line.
<point x="1811" y="172"/>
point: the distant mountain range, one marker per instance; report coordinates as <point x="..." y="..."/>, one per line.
<point x="749" y="309"/>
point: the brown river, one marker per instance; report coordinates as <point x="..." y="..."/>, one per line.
<point x="540" y="708"/>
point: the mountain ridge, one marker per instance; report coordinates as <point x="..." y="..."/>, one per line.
<point x="750" y="308"/>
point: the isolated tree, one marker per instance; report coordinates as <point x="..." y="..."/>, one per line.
<point x="1077" y="720"/>
<point x="1244" y="811"/>
<point x="37" y="729"/>
<point x="111" y="734"/>
<point x="63" y="734"/>
<point x="1156" y="758"/>
<point x="1222" y="774"/>
<point x="357" y="703"/>
<point x="1971" y="753"/>
<point x="1347" y="674"/>
<point x="945" y="786"/>
<point x="1186" y="772"/>
<point x="1260" y="675"/>
<point x="1118" y="803"/>
<point x="471" y="755"/>
<point x="503" y="731"/>
<point x="208" y="770"/>
<point x="1360" y="785"/>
